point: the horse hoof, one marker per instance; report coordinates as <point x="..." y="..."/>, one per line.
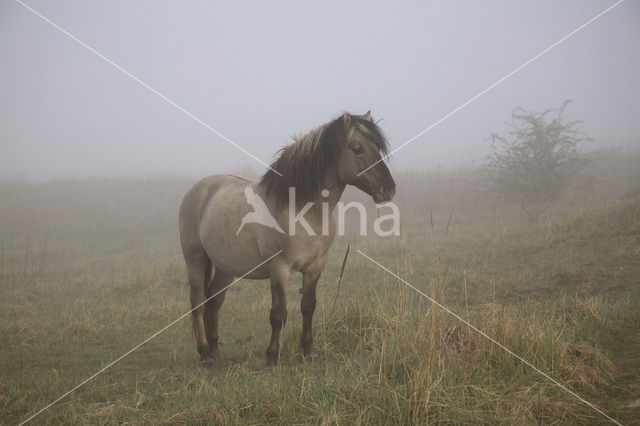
<point x="208" y="361"/>
<point x="311" y="358"/>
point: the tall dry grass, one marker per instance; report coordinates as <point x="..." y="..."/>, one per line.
<point x="88" y="269"/>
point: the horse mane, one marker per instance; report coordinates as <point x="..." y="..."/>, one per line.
<point x="304" y="162"/>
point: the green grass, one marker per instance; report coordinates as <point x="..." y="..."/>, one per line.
<point x="88" y="269"/>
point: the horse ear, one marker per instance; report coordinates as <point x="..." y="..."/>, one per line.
<point x="368" y="117"/>
<point x="347" y="120"/>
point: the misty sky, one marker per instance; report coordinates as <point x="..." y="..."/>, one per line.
<point x="261" y="72"/>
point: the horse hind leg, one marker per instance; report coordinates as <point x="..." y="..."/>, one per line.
<point x="216" y="292"/>
<point x="199" y="271"/>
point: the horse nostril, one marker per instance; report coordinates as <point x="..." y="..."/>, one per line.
<point x="387" y="193"/>
<point x="390" y="191"/>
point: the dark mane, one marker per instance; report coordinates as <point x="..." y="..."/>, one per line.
<point x="304" y="162"/>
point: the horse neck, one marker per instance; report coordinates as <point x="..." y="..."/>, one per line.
<point x="334" y="185"/>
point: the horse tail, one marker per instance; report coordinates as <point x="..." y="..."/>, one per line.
<point x="207" y="276"/>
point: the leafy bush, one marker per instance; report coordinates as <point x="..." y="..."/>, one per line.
<point x="536" y="162"/>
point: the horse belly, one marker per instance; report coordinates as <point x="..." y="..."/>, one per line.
<point x="234" y="254"/>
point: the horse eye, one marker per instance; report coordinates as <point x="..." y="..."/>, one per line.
<point x="357" y="149"/>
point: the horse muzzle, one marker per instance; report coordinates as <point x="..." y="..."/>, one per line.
<point x="384" y="194"/>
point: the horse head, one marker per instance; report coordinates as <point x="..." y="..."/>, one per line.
<point x="360" y="161"/>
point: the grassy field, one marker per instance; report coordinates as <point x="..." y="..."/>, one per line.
<point x="90" y="268"/>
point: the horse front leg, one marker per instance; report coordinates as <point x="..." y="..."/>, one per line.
<point x="308" y="305"/>
<point x="280" y="273"/>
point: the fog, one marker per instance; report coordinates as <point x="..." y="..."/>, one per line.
<point x="261" y="72"/>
